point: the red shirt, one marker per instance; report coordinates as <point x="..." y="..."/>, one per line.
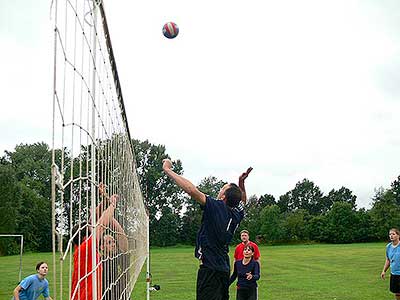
<point x="83" y="266"/>
<point x="239" y="250"/>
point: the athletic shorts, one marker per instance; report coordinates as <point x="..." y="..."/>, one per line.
<point x="395" y="283"/>
<point x="212" y="285"/>
<point x="246" y="293"/>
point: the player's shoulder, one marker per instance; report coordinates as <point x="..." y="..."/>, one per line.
<point x="32" y="277"/>
<point x="28" y="280"/>
<point x="253" y="244"/>
<point x="238" y="246"/>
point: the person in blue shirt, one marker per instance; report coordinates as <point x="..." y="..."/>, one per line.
<point x="393" y="261"/>
<point x="31" y="287"/>
<point x="247" y="272"/>
<point x="221" y="217"/>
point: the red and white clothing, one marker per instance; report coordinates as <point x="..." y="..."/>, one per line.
<point x="82" y="267"/>
<point x="239" y="250"/>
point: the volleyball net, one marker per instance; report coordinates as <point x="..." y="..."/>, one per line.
<point x="100" y="224"/>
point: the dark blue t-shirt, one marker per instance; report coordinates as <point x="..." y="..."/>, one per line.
<point x="218" y="225"/>
<point x="240" y="271"/>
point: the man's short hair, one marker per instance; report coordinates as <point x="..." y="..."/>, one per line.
<point x="39" y="264"/>
<point x="79" y="238"/>
<point x="233" y="195"/>
<point x="244" y="231"/>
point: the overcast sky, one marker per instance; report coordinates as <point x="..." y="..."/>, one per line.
<point x="295" y="89"/>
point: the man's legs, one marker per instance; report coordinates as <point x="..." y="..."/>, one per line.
<point x="395" y="285"/>
<point x="212" y="285"/>
<point x="246" y="294"/>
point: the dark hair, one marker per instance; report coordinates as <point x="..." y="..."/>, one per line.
<point x="249" y="247"/>
<point x="39" y="264"/>
<point x="78" y="238"/>
<point x="233" y="195"/>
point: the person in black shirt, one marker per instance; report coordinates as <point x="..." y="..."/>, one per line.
<point x="247" y="271"/>
<point x="221" y="217"/>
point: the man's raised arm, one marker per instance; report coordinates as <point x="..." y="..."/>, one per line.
<point x="183" y="183"/>
<point x="242" y="178"/>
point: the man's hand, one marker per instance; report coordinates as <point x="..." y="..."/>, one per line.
<point x="249" y="276"/>
<point x="102" y="188"/>
<point x="113" y="200"/>
<point x="244" y="175"/>
<point x="383" y="275"/>
<point x="241" y="184"/>
<point x="167" y="164"/>
<point x="183" y="183"/>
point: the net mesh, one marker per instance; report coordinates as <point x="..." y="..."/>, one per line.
<point x="100" y="223"/>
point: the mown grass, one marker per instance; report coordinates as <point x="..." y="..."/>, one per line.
<point x="295" y="272"/>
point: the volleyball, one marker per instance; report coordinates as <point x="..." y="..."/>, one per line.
<point x="170" y="30"/>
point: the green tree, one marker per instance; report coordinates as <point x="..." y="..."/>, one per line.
<point x="342" y="195"/>
<point x="161" y="195"/>
<point x="31" y="163"/>
<point x="266" y="200"/>
<point x="295" y="225"/>
<point x="31" y="166"/>
<point x="167" y="228"/>
<point x="10" y="202"/>
<point x="365" y="231"/>
<point x="342" y="223"/>
<point x="272" y="224"/>
<point x="395" y="188"/>
<point x="317" y="229"/>
<point x="306" y="195"/>
<point x="385" y="212"/>
<point x="251" y="221"/>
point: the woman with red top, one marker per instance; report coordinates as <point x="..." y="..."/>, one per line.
<point x="82" y="275"/>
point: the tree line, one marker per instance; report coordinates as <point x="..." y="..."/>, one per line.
<point x="303" y="214"/>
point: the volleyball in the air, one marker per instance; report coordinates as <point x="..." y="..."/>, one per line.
<point x="170" y="30"/>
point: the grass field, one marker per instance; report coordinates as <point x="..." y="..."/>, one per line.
<point x="295" y="272"/>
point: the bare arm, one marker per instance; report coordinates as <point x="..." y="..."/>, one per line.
<point x="104" y="201"/>
<point x="183" y="183"/>
<point x="106" y="217"/>
<point x="385" y="267"/>
<point x="242" y="178"/>
<point x="122" y="240"/>
<point x="16" y="292"/>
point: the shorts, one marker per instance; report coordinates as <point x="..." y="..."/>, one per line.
<point x="395" y="283"/>
<point x="245" y="293"/>
<point x="212" y="285"/>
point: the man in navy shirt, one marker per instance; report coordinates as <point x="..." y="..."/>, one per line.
<point x="221" y="217"/>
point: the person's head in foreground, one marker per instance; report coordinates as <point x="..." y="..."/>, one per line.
<point x="33" y="286"/>
<point x="244" y="236"/>
<point x="231" y="194"/>
<point x="248" y="252"/>
<point x="394" y="235"/>
<point x="109" y="246"/>
<point x="42" y="269"/>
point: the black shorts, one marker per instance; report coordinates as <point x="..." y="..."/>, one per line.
<point x="395" y="283"/>
<point x="246" y="293"/>
<point x="212" y="285"/>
